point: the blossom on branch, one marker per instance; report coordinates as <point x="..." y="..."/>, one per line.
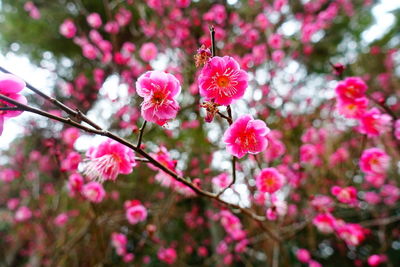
<point x="246" y="135"/>
<point x="222" y="79"/>
<point x="159" y="90"/>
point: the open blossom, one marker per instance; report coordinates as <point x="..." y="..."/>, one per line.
<point x="374" y="161"/>
<point x="159" y="90"/>
<point x="222" y="80"/>
<point x="135" y="212"/>
<point x="68" y="28"/>
<point x="353" y="234"/>
<point x="10" y="86"/>
<point x="222" y="180"/>
<point x="108" y="160"/>
<point x="94" y="192"/>
<point x="347" y="195"/>
<point x="23" y="214"/>
<point x="148" y="52"/>
<point x="352" y="109"/>
<point x="325" y="223"/>
<point x="350" y="89"/>
<point x="246" y="135"/>
<point x="94" y="20"/>
<point x="269" y="180"/>
<point x="374" y="123"/>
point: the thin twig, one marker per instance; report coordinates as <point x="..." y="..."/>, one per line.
<point x="259" y="219"/>
<point x="141" y="130"/>
<point x="213" y="49"/>
<point x="77" y="114"/>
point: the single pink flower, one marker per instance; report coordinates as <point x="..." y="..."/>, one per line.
<point x="303" y="255"/>
<point x="246" y="135"/>
<point x="325" y="223"/>
<point x="347" y="195"/>
<point x="136" y="213"/>
<point x="68" y="28"/>
<point x="61" y="219"/>
<point x="354" y="108"/>
<point x="353" y="234"/>
<point x="10" y="86"/>
<point x="374" y="123"/>
<point x="222" y="180"/>
<point x="159" y="90"/>
<point x="350" y="89"/>
<point x="269" y="180"/>
<point x="108" y="160"/>
<point x="222" y="80"/>
<point x="23" y="214"/>
<point x="148" y="52"/>
<point x="375" y="260"/>
<point x="94" y="20"/>
<point x="94" y="192"/>
<point x="374" y="161"/>
<point x="75" y="183"/>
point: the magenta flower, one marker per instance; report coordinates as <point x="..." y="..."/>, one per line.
<point x="351" y="89"/>
<point x="159" y="90"/>
<point x="325" y="223"/>
<point x="374" y="123"/>
<point x="346" y="195"/>
<point x="94" y="192"/>
<point x="246" y="135"/>
<point x="10" y="86"/>
<point x="23" y="213"/>
<point x="108" y="160"/>
<point x="68" y="28"/>
<point x="148" y="52"/>
<point x="374" y="161"/>
<point x="136" y="213"/>
<point x="269" y="180"/>
<point x="222" y="80"/>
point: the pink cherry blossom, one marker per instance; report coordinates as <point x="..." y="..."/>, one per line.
<point x="347" y="195"/>
<point x="222" y="80"/>
<point x="352" y="109"/>
<point x="374" y="123"/>
<point x="148" y="52"/>
<point x="350" y="89"/>
<point x="167" y="255"/>
<point x="222" y="180"/>
<point x="303" y="255"/>
<point x="68" y="28"/>
<point x="108" y="160"/>
<point x="94" y="192"/>
<point x="23" y="214"/>
<point x="159" y="90"/>
<point x="374" y="161"/>
<point x="10" y="86"/>
<point x="94" y="20"/>
<point x="61" y="219"/>
<point x="269" y="180"/>
<point x="246" y="135"/>
<point x="136" y="213"/>
<point x="75" y="183"/>
<point x="353" y="234"/>
<point x="325" y="223"/>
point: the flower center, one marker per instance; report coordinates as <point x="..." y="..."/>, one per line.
<point x="248" y="141"/>
<point x="223" y="81"/>
<point x="158" y="98"/>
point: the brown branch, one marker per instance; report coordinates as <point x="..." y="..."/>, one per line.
<point x="77" y="114"/>
<point x="141" y="131"/>
<point x="259" y="219"/>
